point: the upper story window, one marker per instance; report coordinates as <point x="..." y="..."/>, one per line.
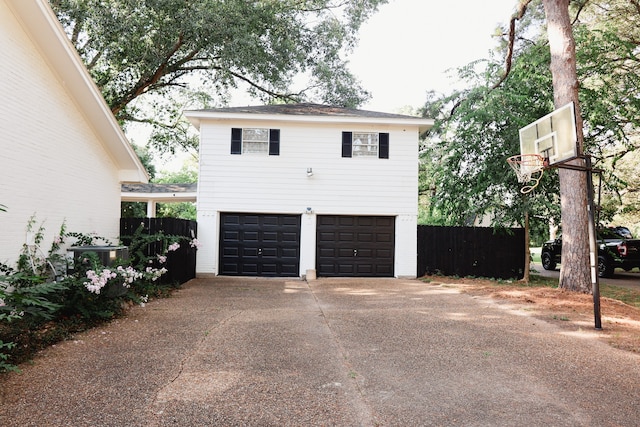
<point x="365" y="144"/>
<point x="255" y="141"/>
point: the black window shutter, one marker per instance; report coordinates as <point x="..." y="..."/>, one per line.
<point x="383" y="146"/>
<point x="274" y="142"/>
<point x="346" y="144"/>
<point x="236" y="141"/>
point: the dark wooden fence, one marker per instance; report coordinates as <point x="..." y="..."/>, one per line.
<point x="471" y="251"/>
<point x="180" y="263"/>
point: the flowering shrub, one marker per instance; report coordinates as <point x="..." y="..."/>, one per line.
<point x="51" y="287"/>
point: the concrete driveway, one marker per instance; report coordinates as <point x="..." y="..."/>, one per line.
<point x="332" y="352"/>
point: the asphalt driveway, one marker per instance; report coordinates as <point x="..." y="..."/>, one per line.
<point x="332" y="352"/>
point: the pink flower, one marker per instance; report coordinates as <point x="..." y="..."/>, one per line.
<point x="173" y="247"/>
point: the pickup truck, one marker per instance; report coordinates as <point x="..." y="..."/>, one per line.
<point x="614" y="251"/>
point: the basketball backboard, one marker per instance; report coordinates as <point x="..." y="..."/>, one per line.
<point x="552" y="136"/>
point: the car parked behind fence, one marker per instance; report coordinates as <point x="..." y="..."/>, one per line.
<point x="616" y="249"/>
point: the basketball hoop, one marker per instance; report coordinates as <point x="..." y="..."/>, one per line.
<point x="529" y="169"/>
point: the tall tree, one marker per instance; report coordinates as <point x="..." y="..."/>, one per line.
<point x="476" y="129"/>
<point x="194" y="51"/>
<point x="575" y="271"/>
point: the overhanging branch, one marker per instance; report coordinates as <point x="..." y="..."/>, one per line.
<point x="522" y="8"/>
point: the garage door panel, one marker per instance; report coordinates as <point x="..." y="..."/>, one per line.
<point x="259" y="244"/>
<point x="345" y="237"/>
<point x="231" y="235"/>
<point x="365" y="269"/>
<point x="289" y="253"/>
<point x="355" y="246"/>
<point x="249" y="252"/>
<point x="346" y="269"/>
<point x="345" y="252"/>
<point x="248" y="220"/>
<point x="269" y="253"/>
<point x="248" y="269"/>
<point x="231" y="251"/>
<point x="290" y="237"/>
<point x="365" y="253"/>
<point x="249" y="236"/>
<point x="231" y="267"/>
<point x="326" y="235"/>
<point x="384" y="237"/>
<point x="384" y="270"/>
<point x="231" y="220"/>
<point x="346" y="221"/>
<point x="366" y="237"/>
<point x="293" y="221"/>
<point x="270" y="236"/>
<point x="384" y="253"/>
<point x="326" y="252"/>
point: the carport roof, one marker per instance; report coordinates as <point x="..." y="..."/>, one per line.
<point x="159" y="192"/>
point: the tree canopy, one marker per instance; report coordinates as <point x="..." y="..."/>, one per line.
<point x="191" y="53"/>
<point x="477" y="128"/>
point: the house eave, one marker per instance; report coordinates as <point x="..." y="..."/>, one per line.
<point x="43" y="28"/>
<point x="196" y="117"/>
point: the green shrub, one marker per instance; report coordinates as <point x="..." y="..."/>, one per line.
<point x="46" y="297"/>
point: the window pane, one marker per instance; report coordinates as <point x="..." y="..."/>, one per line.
<point x="255" y="140"/>
<point x="255" y="147"/>
<point x="255" y="135"/>
<point x="365" y="144"/>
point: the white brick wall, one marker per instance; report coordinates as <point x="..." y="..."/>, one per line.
<point x="51" y="162"/>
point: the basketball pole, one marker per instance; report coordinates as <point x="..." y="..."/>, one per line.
<point x="593" y="246"/>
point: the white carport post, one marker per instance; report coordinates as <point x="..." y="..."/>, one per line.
<point x="151" y="208"/>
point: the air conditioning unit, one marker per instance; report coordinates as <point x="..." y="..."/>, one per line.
<point x="106" y="254"/>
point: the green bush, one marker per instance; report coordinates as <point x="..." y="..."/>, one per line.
<point x="46" y="297"/>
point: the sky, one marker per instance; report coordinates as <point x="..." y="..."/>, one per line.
<point x="406" y="48"/>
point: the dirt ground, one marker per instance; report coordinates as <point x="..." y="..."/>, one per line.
<point x="569" y="310"/>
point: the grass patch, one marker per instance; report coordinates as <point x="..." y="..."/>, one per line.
<point x="627" y="296"/>
<point x="535" y="256"/>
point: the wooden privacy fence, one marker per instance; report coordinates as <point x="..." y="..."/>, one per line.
<point x="181" y="264"/>
<point x="471" y="251"/>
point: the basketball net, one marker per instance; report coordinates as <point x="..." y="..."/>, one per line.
<point x="529" y="169"/>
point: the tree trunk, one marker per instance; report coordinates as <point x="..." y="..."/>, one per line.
<point x="575" y="266"/>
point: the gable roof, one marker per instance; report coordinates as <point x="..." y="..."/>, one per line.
<point x="307" y="112"/>
<point x="41" y="25"/>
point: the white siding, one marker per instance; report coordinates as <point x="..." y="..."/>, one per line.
<point x="279" y="184"/>
<point x="51" y="162"/>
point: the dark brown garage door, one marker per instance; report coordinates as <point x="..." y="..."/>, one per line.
<point x="259" y="245"/>
<point x="357" y="246"/>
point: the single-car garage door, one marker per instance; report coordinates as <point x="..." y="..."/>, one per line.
<point x="259" y="245"/>
<point x="357" y="246"/>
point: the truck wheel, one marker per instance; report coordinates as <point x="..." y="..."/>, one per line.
<point x="547" y="261"/>
<point x="605" y="269"/>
